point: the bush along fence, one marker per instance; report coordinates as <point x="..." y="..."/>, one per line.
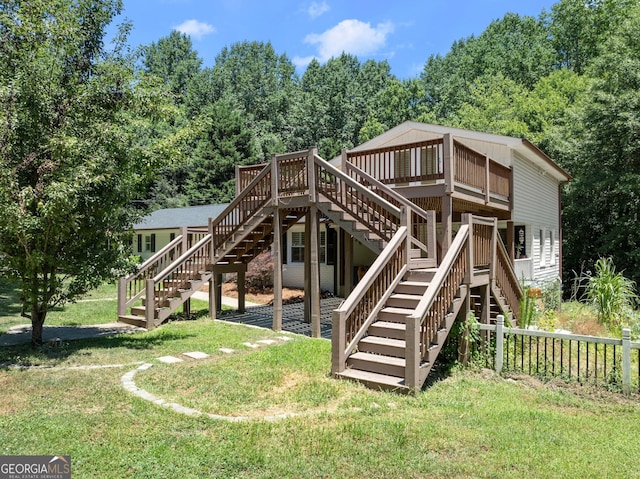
<point x="612" y="363"/>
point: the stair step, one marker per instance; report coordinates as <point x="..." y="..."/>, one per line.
<point x="422" y="274"/>
<point x="374" y="380"/>
<point x="412" y="287"/>
<point x="405" y="301"/>
<point x="394" y="314"/>
<point x="385" y="329"/>
<point x="385" y="346"/>
<point x="377" y="363"/>
<point x="138" y="311"/>
<point x="133" y="320"/>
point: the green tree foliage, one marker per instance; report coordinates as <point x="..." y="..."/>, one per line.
<point x="225" y="140"/>
<point x="610" y="293"/>
<point x="174" y="60"/>
<point x="603" y="154"/>
<point x="516" y="47"/>
<point x="70" y="158"/>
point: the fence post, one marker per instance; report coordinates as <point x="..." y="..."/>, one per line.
<point x="150" y="303"/>
<point x="499" y="343"/>
<point x="626" y="361"/>
<point x="122" y="296"/>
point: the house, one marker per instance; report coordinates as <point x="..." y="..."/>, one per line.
<point x="156" y="230"/>
<point x="415" y="228"/>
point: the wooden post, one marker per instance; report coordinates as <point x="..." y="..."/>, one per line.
<point x="150" y="303"/>
<point x="185" y="240"/>
<point x="343" y="164"/>
<point x="122" y="296"/>
<point x="276" y="254"/>
<point x="412" y="363"/>
<point x="315" y="272"/>
<point x="311" y="174"/>
<point x="448" y="163"/>
<point x="338" y="343"/>
<point x="511" y="250"/>
<point x="212" y="302"/>
<point x="447" y="223"/>
<point x="307" y="267"/>
<point x="405" y="220"/>
<point x="487" y="180"/>
<point x="499" y="343"/>
<point x="219" y="292"/>
<point x="467" y="219"/>
<point x="626" y="361"/>
<point x="432" y="243"/>
<point x="493" y="249"/>
<point x="237" y="181"/>
<point x="242" y="289"/>
<point x="186" y="308"/>
<point x="274" y="180"/>
<point x="348" y="264"/>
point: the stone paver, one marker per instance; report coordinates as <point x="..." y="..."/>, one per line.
<point x="251" y="345"/>
<point x="226" y="350"/>
<point x="196" y="355"/>
<point x="169" y="359"/>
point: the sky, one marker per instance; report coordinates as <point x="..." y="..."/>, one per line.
<point x="403" y="32"/>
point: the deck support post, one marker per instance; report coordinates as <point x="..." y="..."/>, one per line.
<point x="307" y="267"/>
<point x="186" y="308"/>
<point x="276" y="253"/>
<point x="348" y="264"/>
<point x="242" y="290"/>
<point x="314" y="271"/>
<point x="412" y="364"/>
<point x="212" y="301"/>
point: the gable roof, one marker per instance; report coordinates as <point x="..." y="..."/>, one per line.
<point x="498" y="147"/>
<point x="170" y="218"/>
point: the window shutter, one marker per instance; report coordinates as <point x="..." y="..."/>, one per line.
<point x="139" y="243"/>
<point x="153" y="242"/>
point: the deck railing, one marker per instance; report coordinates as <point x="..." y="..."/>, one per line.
<point x="354" y="316"/>
<point x="245" y="175"/>
<point x="436" y="161"/>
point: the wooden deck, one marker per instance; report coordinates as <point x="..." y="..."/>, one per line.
<point x="292" y="317"/>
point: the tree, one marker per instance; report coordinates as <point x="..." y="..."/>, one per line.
<point x="70" y="158"/>
<point x="174" y="60"/>
<point x="602" y="203"/>
<point x="226" y="140"/>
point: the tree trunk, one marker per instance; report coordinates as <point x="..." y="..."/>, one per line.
<point x="37" y="326"/>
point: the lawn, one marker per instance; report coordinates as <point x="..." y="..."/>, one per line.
<point x="469" y="424"/>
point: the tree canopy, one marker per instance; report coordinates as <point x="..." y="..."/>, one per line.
<point x="70" y="157"/>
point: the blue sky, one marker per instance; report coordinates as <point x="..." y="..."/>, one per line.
<point x="403" y="32"/>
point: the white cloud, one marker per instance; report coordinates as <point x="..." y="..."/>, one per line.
<point x="318" y="8"/>
<point x="350" y="36"/>
<point x="195" y="28"/>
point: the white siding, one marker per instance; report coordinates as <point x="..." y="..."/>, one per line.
<point x="535" y="205"/>
<point x="162" y="239"/>
<point x="293" y="273"/>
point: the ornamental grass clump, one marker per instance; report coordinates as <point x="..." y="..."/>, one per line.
<point x="610" y="293"/>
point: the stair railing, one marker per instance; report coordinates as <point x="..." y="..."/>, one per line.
<point x="131" y="288"/>
<point x="370" y="209"/>
<point x="351" y="320"/>
<point x="176" y="276"/>
<point x="423" y="223"/>
<point x="244" y="206"/>
<point x="422" y="326"/>
<point x="506" y="279"/>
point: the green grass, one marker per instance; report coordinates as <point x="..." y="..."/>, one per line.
<point x="471" y="424"/>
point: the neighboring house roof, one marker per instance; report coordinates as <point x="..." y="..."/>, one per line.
<point x="498" y="147"/>
<point x="170" y="218"/>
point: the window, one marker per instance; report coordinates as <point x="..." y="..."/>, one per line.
<point x="297" y="247"/>
<point x="543" y="249"/>
<point x="150" y="243"/>
<point x="552" y="247"/>
<point x="139" y="243"/>
<point x="520" y="240"/>
<point x="172" y="236"/>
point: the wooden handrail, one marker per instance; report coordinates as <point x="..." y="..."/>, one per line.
<point x="173" y="266"/>
<point x="375" y="197"/>
<point x="354" y="316"/>
<point x="506" y="279"/>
